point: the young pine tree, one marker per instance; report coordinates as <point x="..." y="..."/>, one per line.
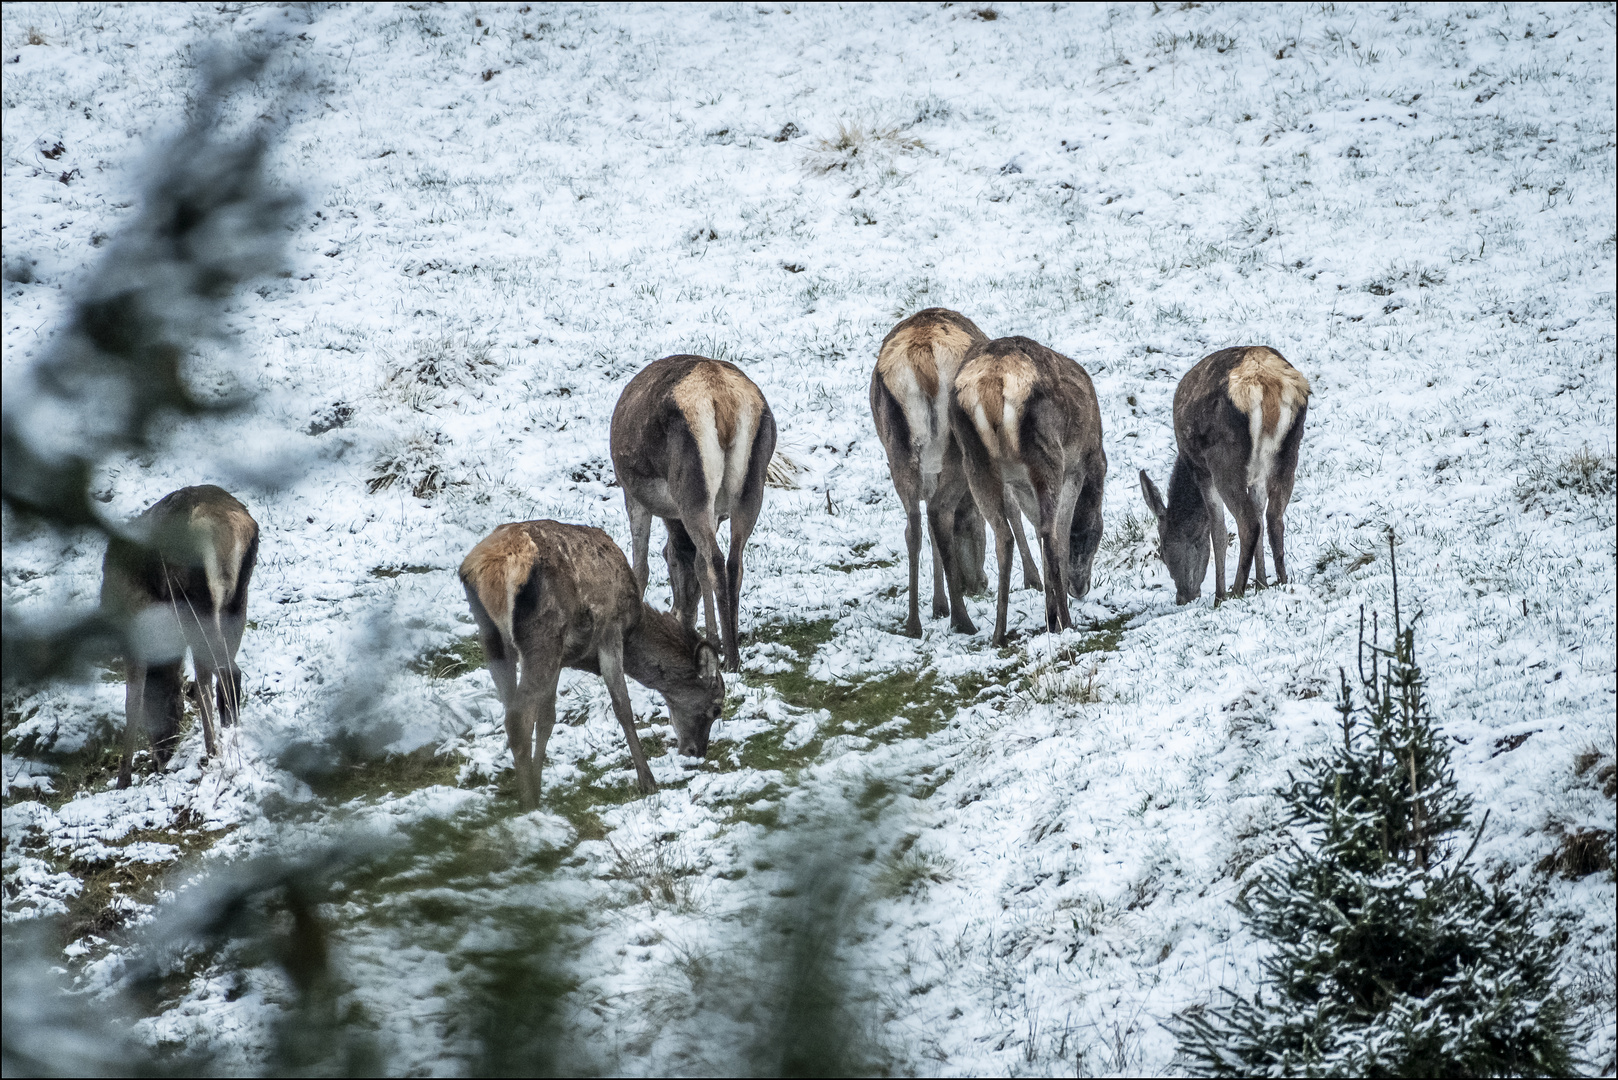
<point x="1388" y="958"/>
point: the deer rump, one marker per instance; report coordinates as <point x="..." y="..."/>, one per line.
<point x="181" y="584"/>
<point x="691" y="442"/>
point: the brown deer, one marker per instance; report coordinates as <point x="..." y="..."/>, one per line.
<point x="177" y="580"/>
<point x="1028" y="422"/>
<point x="1238" y="422"/>
<point x="691" y="440"/>
<point x="915" y="368"/>
<point x="550" y="595"/>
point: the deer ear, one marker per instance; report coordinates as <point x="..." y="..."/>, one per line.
<point x="707" y="664"/>
<point x="1154" y="501"/>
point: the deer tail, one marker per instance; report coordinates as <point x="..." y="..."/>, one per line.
<point x="494" y="573"/>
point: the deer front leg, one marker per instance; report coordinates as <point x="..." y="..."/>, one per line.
<point x="533" y="706"/>
<point x="134" y="719"/>
<point x="1057" y="616"/>
<point x="1030" y="573"/>
<point x="611" y="659"/>
<point x="941" y="522"/>
<point x="1220" y="537"/>
<point x="681" y="555"/>
<point x="940" y="578"/>
<point x="640" y="536"/>
<point x="205" y="704"/>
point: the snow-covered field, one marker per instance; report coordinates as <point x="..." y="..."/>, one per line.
<point x="510" y="209"/>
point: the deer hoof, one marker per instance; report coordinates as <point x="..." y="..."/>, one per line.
<point x="913" y="629"/>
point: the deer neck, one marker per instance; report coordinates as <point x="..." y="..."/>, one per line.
<point x="649" y="655"/>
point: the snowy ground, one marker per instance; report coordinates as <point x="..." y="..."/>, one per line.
<point x="511" y="209"/>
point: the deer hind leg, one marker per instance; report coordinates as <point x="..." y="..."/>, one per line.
<point x="710" y="573"/>
<point x="1280" y="494"/>
<point x="640" y="537"/>
<point x="969" y="545"/>
<point x="907" y="483"/>
<point x="741" y="528"/>
<point x="500" y="656"/>
<point x="134" y="719"/>
<point x="1030" y="571"/>
<point x="611" y="659"/>
<point x="940" y="577"/>
<point x="680" y="553"/>
<point x="533" y="706"/>
<point x="1084" y="538"/>
<point x="941" y="524"/>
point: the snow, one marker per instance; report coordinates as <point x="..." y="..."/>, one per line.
<point x="1414" y="206"/>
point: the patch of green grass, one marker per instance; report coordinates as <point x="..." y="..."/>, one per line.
<point x="107" y="880"/>
<point x="395" y="774"/>
<point x="395" y="571"/>
<point x="578" y="801"/>
<point x="884" y="708"/>
<point x="461" y="656"/>
<point x="858" y="562"/>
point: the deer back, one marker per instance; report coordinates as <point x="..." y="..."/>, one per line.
<point x="547" y="583"/>
<point x="910" y="387"/>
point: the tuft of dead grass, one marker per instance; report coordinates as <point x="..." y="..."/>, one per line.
<point x="854" y="141"/>
<point x="1584" y="472"/>
<point x="1579" y="854"/>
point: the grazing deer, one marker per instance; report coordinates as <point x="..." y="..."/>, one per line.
<point x="915" y="368"/>
<point x="178" y="581"/>
<point x="691" y="440"/>
<point x="552" y="596"/>
<point x="1238" y="421"/>
<point x="1028" y="422"/>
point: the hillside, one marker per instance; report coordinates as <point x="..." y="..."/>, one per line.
<point x="511" y="209"/>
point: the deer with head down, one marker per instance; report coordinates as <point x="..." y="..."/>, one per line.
<point x="179" y="581"/>
<point x="1029" y="427"/>
<point x="1238" y="423"/>
<point x="910" y="390"/>
<point x="546" y="595"/>
<point x="691" y="441"/>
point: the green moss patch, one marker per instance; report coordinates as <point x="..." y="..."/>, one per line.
<point x="395" y="774"/>
<point x="395" y="571"/>
<point x="462" y="656"/>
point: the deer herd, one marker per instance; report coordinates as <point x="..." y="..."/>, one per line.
<point x="984" y="432"/>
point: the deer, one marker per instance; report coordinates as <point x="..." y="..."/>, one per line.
<point x="691" y="440"/>
<point x="177" y="579"/>
<point x="1029" y="426"/>
<point x="547" y="595"/>
<point x="910" y="390"/>
<point x="1238" y="423"/>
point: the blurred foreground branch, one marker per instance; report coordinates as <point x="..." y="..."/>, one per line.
<point x="210" y="218"/>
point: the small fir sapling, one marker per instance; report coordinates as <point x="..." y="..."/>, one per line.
<point x="1387" y="956"/>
